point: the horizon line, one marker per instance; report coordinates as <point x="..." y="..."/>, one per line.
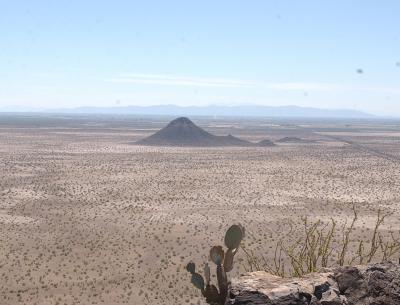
<point x="353" y="112"/>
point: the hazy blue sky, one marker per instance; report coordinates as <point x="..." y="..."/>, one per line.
<point x="108" y="53"/>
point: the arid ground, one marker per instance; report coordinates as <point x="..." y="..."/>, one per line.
<point x="86" y="217"/>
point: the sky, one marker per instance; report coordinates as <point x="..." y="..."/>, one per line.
<point x="325" y="54"/>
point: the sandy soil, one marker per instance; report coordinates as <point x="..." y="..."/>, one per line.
<point x="87" y="218"/>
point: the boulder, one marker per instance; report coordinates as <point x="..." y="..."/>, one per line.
<point x="374" y="284"/>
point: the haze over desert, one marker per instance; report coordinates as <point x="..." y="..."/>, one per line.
<point x="87" y="217"/>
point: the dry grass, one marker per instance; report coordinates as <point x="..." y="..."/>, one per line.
<point x="324" y="245"/>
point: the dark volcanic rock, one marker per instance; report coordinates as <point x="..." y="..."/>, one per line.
<point x="183" y="132"/>
<point x="292" y="140"/>
<point x="265" y="143"/>
<point x="180" y="132"/>
<point x="375" y="284"/>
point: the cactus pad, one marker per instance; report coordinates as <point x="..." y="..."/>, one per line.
<point x="207" y="273"/>
<point x="228" y="261"/>
<point x="191" y="267"/>
<point x="198" y="281"/>
<point x="211" y="294"/>
<point x="234" y="236"/>
<point x="217" y="255"/>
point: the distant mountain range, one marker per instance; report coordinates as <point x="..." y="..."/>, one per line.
<point x="239" y="111"/>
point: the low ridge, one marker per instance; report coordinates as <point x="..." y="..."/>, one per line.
<point x="183" y="132"/>
<point x="292" y="140"/>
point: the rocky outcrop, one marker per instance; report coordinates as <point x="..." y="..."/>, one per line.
<point x="376" y="284"/>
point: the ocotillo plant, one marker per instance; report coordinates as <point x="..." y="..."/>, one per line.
<point x="224" y="262"/>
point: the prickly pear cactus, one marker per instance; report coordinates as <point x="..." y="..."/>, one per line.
<point x="197" y="280"/>
<point x="207" y="273"/>
<point x="217" y="255"/>
<point x="228" y="261"/>
<point x="224" y="262"/>
<point x="191" y="267"/>
<point x="234" y="236"/>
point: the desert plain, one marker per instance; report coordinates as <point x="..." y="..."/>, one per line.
<point x="87" y="217"/>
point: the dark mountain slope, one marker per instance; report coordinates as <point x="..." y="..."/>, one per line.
<point x="183" y="132"/>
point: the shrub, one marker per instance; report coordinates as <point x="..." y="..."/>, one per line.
<point x="315" y="249"/>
